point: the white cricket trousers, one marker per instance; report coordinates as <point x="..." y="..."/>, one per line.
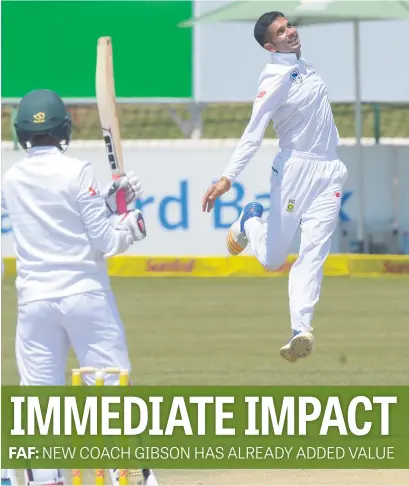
<point x="46" y="329"/>
<point x="306" y="191"/>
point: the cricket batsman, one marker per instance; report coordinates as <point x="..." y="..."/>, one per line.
<point x="307" y="176"/>
<point x="64" y="227"/>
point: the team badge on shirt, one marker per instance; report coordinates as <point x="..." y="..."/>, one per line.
<point x="290" y="205"/>
<point x="92" y="191"/>
<point x="295" y="76"/>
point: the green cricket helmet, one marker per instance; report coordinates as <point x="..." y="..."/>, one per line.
<point x="42" y="112"/>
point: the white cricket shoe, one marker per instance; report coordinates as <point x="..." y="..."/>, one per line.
<point x="299" y="346"/>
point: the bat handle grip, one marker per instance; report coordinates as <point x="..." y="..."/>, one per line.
<point x="121" y="202"/>
<point x="120" y="199"/>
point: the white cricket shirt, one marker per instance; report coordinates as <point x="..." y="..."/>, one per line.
<point x="295" y="98"/>
<point x="60" y="226"/>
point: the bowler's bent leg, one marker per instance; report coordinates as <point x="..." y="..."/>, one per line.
<point x="270" y="241"/>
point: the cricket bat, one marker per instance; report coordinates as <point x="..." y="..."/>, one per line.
<point x="106" y="101"/>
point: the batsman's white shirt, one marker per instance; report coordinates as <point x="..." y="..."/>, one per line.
<point x="295" y="98"/>
<point x="60" y="226"/>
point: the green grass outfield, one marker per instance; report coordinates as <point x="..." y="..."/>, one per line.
<point x="192" y="331"/>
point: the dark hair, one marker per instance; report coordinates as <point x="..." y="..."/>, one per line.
<point x="262" y="25"/>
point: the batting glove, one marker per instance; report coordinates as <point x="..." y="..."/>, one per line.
<point x="132" y="221"/>
<point x="131" y="185"/>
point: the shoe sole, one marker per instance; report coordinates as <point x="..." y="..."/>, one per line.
<point x="232" y="246"/>
<point x="299" y="347"/>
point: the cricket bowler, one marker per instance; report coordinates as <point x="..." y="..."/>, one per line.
<point x="307" y="176"/>
<point x="64" y="227"/>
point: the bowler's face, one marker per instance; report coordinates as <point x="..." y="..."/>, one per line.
<point x="283" y="37"/>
